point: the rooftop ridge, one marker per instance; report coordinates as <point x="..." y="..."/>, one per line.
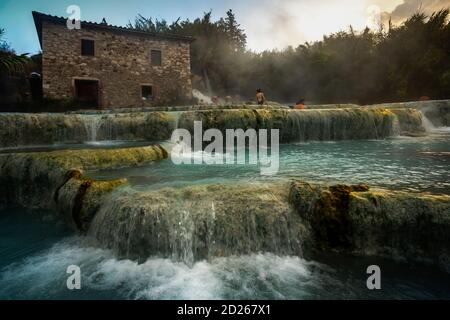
<point x="39" y="17"/>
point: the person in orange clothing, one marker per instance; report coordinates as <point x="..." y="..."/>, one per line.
<point x="300" y="104"/>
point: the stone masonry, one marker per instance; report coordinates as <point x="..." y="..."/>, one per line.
<point x="121" y="64"/>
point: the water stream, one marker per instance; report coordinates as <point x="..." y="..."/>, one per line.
<point x="36" y="248"/>
<point x="33" y="266"/>
<point x="400" y="163"/>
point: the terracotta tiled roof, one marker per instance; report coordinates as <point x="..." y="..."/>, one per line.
<point x="40" y="17"/>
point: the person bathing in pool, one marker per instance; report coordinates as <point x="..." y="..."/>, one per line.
<point x="300" y="105"/>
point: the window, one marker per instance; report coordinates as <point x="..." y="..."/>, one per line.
<point x="156" y="57"/>
<point x="87" y="47"/>
<point x="147" y="92"/>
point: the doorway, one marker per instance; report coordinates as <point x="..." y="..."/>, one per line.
<point x="87" y="93"/>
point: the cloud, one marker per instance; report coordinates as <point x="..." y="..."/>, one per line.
<point x="277" y="24"/>
<point x="410" y="7"/>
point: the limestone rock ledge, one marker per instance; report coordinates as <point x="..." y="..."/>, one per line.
<point x="313" y="124"/>
<point x="27" y="129"/>
<point x="365" y="221"/>
<point x="294" y="125"/>
<point x="200" y="222"/>
<point x="41" y="180"/>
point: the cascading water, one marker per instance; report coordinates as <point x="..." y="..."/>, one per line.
<point x="295" y="125"/>
<point x="332" y="125"/>
<point x="201" y="97"/>
<point x="430" y="127"/>
<point x="396" y="128"/>
<point x="93" y="124"/>
<point x="176" y="118"/>
<point x="199" y="222"/>
<point x="217" y="240"/>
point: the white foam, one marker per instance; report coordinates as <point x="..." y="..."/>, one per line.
<point x="44" y="275"/>
<point x="429" y="127"/>
<point x="201" y="97"/>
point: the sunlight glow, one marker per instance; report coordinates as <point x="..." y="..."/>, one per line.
<point x="292" y="22"/>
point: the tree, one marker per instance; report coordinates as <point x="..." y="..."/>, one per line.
<point x="404" y="62"/>
<point x="9" y="61"/>
<point x="236" y="37"/>
<point x="215" y="51"/>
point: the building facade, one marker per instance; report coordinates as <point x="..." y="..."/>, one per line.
<point x="112" y="67"/>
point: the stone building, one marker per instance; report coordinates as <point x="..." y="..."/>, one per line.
<point x="106" y="66"/>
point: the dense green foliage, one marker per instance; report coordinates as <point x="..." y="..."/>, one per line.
<point x="401" y="63"/>
<point x="9" y="61"/>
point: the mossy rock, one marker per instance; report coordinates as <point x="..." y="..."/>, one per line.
<point x="356" y="219"/>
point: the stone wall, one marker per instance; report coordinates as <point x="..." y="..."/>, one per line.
<point x="121" y="65"/>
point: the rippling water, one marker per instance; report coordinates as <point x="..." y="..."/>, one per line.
<point x="36" y="250"/>
<point x="35" y="254"/>
<point x="416" y="164"/>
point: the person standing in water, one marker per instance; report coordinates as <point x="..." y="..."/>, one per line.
<point x="260" y="98"/>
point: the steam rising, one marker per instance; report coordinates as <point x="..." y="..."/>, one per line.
<point x="278" y="24"/>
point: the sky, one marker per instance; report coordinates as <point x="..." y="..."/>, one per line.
<point x="269" y="24"/>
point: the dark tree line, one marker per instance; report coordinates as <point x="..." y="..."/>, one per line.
<point x="9" y="61"/>
<point x="395" y="63"/>
<point x="14" y="70"/>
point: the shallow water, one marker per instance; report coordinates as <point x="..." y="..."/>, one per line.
<point x="35" y="253"/>
<point x="415" y="164"/>
<point x="35" y="250"/>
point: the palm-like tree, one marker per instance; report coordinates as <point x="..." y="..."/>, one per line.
<point x="9" y="61"/>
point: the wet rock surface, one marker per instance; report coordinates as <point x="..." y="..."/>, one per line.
<point x="195" y="223"/>
<point x="80" y="199"/>
<point x="36" y="180"/>
<point x="365" y="221"/>
<point x="436" y="111"/>
<point x="312" y="125"/>
<point x="22" y="129"/>
<point x="294" y="125"/>
<point x="200" y="222"/>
